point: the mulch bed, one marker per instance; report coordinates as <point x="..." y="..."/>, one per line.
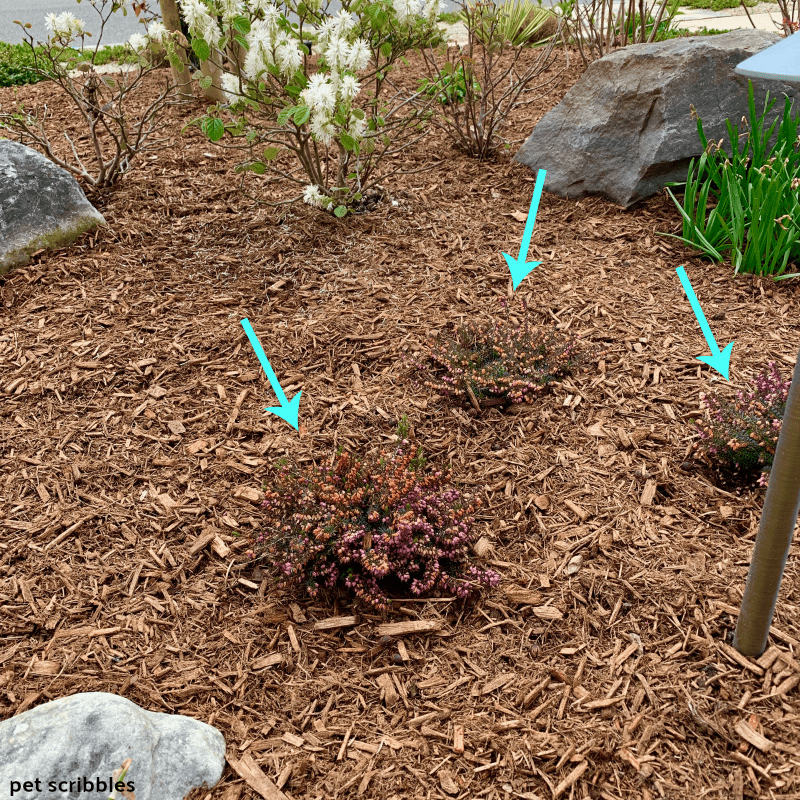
<point x="133" y="444"/>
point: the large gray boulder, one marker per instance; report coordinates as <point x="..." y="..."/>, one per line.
<point x="624" y="129"/>
<point x="41" y="205"/>
<point x="83" y="738"/>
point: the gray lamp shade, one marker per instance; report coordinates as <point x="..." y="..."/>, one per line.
<point x="779" y="62"/>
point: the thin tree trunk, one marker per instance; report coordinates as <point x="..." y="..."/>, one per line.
<point x="781" y="508"/>
<point x="182" y="73"/>
<point x="214" y="71"/>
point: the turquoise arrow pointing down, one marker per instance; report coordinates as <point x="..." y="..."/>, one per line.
<point x="288" y="409"/>
<point x="720" y="361"/>
<point x="519" y="269"/>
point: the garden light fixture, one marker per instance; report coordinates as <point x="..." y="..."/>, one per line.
<point x="779" y="62"/>
<point x="781" y="508"/>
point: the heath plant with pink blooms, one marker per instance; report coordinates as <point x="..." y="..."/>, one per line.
<point x="742" y="435"/>
<point x="500" y="361"/>
<point x="377" y="526"/>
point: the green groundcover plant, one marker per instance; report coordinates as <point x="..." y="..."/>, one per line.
<point x="500" y="361"/>
<point x="376" y="526"/>
<point x="746" y="204"/>
<point x="742" y="435"/>
<point x="16" y="65"/>
<point x="18" y="62"/>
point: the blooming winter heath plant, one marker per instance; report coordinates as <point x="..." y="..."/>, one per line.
<point x="742" y="435"/>
<point x="374" y="526"/>
<point x="500" y="361"/>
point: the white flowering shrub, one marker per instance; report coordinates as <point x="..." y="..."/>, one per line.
<point x="116" y="137"/>
<point x="312" y="115"/>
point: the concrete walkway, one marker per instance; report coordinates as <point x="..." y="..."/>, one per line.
<point x="765" y="16"/>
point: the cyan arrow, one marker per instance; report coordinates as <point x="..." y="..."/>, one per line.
<point x="519" y="269"/>
<point x="720" y="361"/>
<point x="288" y="408"/>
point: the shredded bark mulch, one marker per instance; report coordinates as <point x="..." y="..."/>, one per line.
<point x="135" y="444"/>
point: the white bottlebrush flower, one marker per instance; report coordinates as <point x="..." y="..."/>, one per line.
<point x="138" y="42"/>
<point x="319" y="94"/>
<point x="289" y="57"/>
<point x="312" y="196"/>
<point x="258" y="58"/>
<point x="336" y="53"/>
<point x="74" y="24"/>
<point x="326" y="29"/>
<point x="157" y="31"/>
<point x="359" y="55"/>
<point x="230" y="9"/>
<point x="406" y="8"/>
<point x="322" y="129"/>
<point x="271" y="15"/>
<point x="349" y="87"/>
<point x="200" y="22"/>
<point x="433" y="9"/>
<point x="358" y="128"/>
<point x="345" y="22"/>
<point x="261" y="34"/>
<point x="229" y="84"/>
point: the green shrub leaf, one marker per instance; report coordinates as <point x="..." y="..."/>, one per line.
<point x="213" y="128"/>
<point x="201" y="49"/>
<point x="241" y="25"/>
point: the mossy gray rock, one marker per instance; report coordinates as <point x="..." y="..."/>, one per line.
<point x="71" y="747"/>
<point x="41" y="206"/>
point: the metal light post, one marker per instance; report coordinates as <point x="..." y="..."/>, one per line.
<point x="781" y="61"/>
<point x="781" y="508"/>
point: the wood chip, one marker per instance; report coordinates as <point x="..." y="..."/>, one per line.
<point x="519" y="596"/>
<point x="753" y="737"/>
<point x="250" y="494"/>
<point x="196" y="447"/>
<point x="219" y="547"/>
<point x="736" y="656"/>
<point x="271" y="660"/>
<point x="571" y="779"/>
<point x="246" y="768"/>
<point x="548" y="613"/>
<point x="201" y="541"/>
<point x="648" y="493"/>
<point x="333" y="623"/>
<point x="390" y="695"/>
<point x="582" y="513"/>
<point x="412" y="626"/>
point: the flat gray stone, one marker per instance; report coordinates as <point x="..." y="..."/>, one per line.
<point x="41" y="205"/>
<point x="85" y="737"/>
<point x="624" y="129"/>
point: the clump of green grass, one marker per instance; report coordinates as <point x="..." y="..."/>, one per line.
<point x="18" y="61"/>
<point x="717" y="5"/>
<point x="16" y="65"/>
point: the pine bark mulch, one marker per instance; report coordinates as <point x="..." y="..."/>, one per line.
<point x="134" y="444"/>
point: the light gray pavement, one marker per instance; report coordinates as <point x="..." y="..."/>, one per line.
<point x="120" y="27"/>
